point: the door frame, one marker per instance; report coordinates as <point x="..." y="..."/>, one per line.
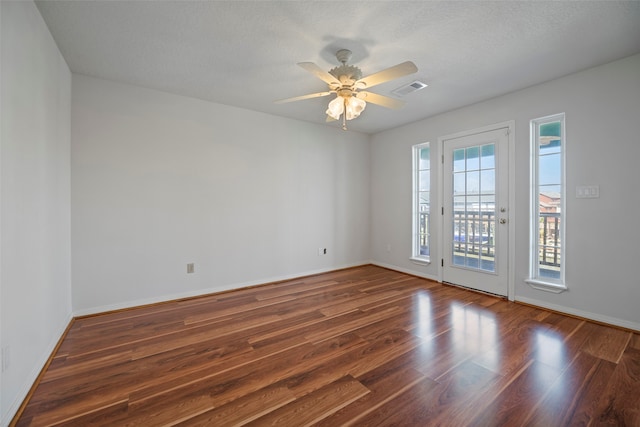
<point x="511" y="127"/>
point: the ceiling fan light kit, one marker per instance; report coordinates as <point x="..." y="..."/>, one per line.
<point x="349" y="105"/>
<point x="347" y="83"/>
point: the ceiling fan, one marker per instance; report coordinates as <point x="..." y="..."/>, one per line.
<point x="347" y="83"/>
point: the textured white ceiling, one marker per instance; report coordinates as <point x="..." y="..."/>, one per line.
<point x="244" y="53"/>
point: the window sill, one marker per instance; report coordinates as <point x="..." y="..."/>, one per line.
<point x="420" y="261"/>
<point x="541" y="285"/>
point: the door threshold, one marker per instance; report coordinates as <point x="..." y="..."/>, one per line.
<point x="474" y="290"/>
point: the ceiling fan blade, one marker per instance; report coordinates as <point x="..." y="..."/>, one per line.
<point x="300" y="98"/>
<point x="319" y="73"/>
<point x="391" y="73"/>
<point x="381" y="100"/>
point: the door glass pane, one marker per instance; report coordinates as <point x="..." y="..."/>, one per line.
<point x="425" y="180"/>
<point x="459" y="183"/>
<point x="459" y="204"/>
<point x="458" y="160"/>
<point x="424" y="161"/>
<point x="473" y="158"/>
<point x="423" y="199"/>
<point x="474" y="190"/>
<point x="550" y="168"/>
<point x="471" y="206"/>
<point x="487" y="181"/>
<point x="488" y="159"/>
<point x="421" y="187"/>
<point x="473" y="182"/>
<point x="548" y="262"/>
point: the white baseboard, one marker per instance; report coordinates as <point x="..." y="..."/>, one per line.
<point x="581" y="313"/>
<point x="207" y="291"/>
<point x="405" y="270"/>
<point x="33" y="375"/>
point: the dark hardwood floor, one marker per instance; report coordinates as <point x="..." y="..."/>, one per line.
<point x="363" y="346"/>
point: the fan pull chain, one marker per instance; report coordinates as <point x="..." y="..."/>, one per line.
<point x="344" y="115"/>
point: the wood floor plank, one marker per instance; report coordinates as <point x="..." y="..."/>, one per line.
<point x="73" y="409"/>
<point x="384" y="383"/>
<point x="160" y="369"/>
<point x="344" y="363"/>
<point x="515" y="404"/>
<point x="313" y="407"/>
<point x="442" y="353"/>
<point x="607" y="343"/>
<point x="209" y="316"/>
<point x="218" y="389"/>
<point x="241" y="371"/>
<point x="620" y="402"/>
<point x="399" y="283"/>
<point x="563" y="324"/>
<point x="446" y="402"/>
<point x="360" y="346"/>
<point x="358" y="302"/>
<point x="160" y="344"/>
<point x="67" y="368"/>
<point x="408" y="408"/>
<point x="574" y="394"/>
<point x="349" y="322"/>
<point x="461" y="393"/>
<point x="635" y="341"/>
<point x="400" y="319"/>
<point x="242" y="410"/>
<point x="101" y="417"/>
<point x="385" y="347"/>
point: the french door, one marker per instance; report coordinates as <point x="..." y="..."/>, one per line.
<point x="476" y="210"/>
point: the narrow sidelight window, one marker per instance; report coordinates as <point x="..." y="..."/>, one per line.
<point x="421" y="197"/>
<point x="548" y="242"/>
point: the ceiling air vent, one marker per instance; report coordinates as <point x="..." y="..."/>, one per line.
<point x="407" y="89"/>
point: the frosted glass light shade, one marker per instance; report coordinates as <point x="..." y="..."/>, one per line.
<point x="335" y="108"/>
<point x="355" y="106"/>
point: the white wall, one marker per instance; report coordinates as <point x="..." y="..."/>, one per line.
<point x="35" y="199"/>
<point x="160" y="180"/>
<point x="602" y="107"/>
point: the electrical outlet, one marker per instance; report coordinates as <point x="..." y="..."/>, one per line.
<point x="191" y="268"/>
<point x="322" y="251"/>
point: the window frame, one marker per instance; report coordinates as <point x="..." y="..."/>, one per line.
<point x="535" y="280"/>
<point x="416" y="256"/>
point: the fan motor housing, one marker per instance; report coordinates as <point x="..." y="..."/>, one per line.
<point x="345" y="92"/>
<point x="346" y="72"/>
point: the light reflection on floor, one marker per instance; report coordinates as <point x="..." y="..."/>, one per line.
<point x="424" y="316"/>
<point x="550" y="348"/>
<point x="474" y="329"/>
<point x="473" y="335"/>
